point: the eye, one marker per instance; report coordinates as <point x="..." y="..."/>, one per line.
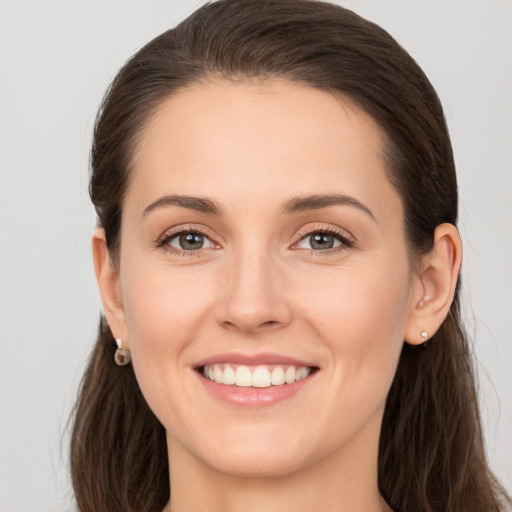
<point x="319" y="242"/>
<point x="322" y="240"/>
<point x="186" y="241"/>
<point x="189" y="241"/>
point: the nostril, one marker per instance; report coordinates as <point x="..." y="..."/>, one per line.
<point x="267" y="325"/>
<point x="248" y="326"/>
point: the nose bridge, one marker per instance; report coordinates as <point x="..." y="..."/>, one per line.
<point x="253" y="300"/>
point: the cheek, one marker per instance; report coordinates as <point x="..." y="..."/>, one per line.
<point x="360" y="312"/>
<point x="360" y="318"/>
<point x="163" y="309"/>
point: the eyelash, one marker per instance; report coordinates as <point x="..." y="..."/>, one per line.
<point x="346" y="242"/>
<point x="164" y="242"/>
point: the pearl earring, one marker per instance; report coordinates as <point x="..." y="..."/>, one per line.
<point x="423" y="301"/>
<point x="424" y="335"/>
<point x="122" y="356"/>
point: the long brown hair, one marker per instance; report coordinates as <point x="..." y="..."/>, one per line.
<point x="431" y="455"/>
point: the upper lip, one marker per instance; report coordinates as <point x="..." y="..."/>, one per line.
<point x="252" y="359"/>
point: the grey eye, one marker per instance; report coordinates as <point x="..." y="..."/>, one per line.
<point x="319" y="242"/>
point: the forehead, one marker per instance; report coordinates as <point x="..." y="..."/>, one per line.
<point x="258" y="140"/>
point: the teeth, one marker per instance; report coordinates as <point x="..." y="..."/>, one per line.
<point x="243" y="376"/>
<point x="258" y="377"/>
<point x="261" y="377"/>
<point x="289" y="376"/>
<point x="229" y="376"/>
<point x="278" y="376"/>
<point x="218" y="375"/>
<point x="301" y="373"/>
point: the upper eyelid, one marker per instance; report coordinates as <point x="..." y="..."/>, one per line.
<point x="163" y="242"/>
<point x="177" y="230"/>
<point x="300" y="234"/>
<point x="331" y="230"/>
<point x="172" y="236"/>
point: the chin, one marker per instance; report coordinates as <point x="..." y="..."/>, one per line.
<point x="277" y="454"/>
<point x="262" y="465"/>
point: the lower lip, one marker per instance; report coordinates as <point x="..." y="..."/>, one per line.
<point x="254" y="397"/>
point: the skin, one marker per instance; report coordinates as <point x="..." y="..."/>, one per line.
<point x="259" y="286"/>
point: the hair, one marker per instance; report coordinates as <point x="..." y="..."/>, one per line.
<point x="431" y="452"/>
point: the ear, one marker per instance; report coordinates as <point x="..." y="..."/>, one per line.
<point x="435" y="285"/>
<point x="107" y="277"/>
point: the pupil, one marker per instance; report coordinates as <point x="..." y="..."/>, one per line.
<point x="191" y="241"/>
<point x="322" y="241"/>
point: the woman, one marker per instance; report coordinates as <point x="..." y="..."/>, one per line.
<point x="277" y="204"/>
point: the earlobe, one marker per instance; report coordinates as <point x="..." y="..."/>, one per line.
<point x="107" y="277"/>
<point x="437" y="281"/>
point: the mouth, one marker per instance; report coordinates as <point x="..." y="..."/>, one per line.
<point x="255" y="380"/>
<point x="255" y="376"/>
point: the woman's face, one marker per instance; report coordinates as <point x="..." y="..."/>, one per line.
<point x="264" y="278"/>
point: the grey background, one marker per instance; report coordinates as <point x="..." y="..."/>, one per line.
<point x="57" y="58"/>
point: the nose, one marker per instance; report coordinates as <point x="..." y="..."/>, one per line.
<point x="254" y="297"/>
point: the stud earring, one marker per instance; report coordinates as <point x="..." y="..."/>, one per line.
<point x="122" y="356"/>
<point x="423" y="301"/>
<point x="424" y="334"/>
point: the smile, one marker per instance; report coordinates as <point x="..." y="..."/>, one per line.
<point x="261" y="376"/>
<point x="255" y="380"/>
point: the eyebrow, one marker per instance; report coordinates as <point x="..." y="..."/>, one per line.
<point x="193" y="203"/>
<point x="294" y="205"/>
<point x="316" y="202"/>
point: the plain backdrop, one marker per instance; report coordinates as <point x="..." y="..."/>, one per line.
<point x="56" y="60"/>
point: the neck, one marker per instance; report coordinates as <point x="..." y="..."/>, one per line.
<point x="340" y="482"/>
